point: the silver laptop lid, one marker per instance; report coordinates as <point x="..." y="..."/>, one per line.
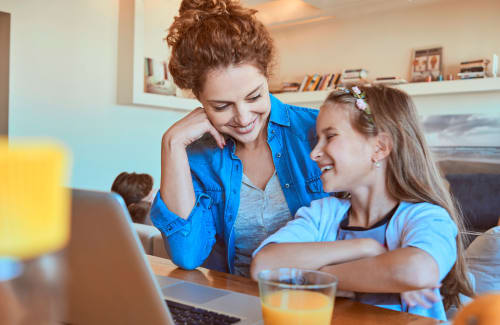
<point x="109" y="280"/>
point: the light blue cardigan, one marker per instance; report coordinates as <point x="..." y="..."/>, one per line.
<point x="422" y="225"/>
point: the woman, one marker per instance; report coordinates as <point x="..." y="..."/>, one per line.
<point x="236" y="170"/>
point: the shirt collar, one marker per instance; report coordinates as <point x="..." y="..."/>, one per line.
<point x="279" y="112"/>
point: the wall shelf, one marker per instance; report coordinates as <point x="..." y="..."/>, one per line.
<point x="413" y="89"/>
<point x="135" y="86"/>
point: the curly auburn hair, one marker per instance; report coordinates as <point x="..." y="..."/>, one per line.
<point x="210" y="34"/>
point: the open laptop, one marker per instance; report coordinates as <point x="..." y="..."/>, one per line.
<point x="109" y="280"/>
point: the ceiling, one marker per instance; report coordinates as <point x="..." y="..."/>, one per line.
<point x="279" y="13"/>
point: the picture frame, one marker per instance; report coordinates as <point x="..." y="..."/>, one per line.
<point x="427" y="64"/>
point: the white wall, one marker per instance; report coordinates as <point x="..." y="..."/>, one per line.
<point x="63" y="84"/>
<point x="383" y="42"/>
<point x="4" y="72"/>
<point x="64" y="72"/>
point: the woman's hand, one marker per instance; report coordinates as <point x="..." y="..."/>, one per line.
<point x="424" y="297"/>
<point x="192" y="127"/>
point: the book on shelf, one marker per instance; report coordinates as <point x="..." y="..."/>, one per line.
<point x="473" y="69"/>
<point x="354" y="73"/>
<point x="286" y="87"/>
<point x="313" y="82"/>
<point x="471" y="75"/>
<point x="391" y="80"/>
<point x="321" y="84"/>
<point x="305" y="81"/>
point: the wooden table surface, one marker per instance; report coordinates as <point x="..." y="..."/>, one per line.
<point x="345" y="311"/>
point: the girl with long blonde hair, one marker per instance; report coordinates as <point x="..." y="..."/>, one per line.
<point x="393" y="237"/>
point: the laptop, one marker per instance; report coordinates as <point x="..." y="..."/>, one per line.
<point x="109" y="280"/>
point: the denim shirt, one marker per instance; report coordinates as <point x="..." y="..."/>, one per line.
<point x="217" y="175"/>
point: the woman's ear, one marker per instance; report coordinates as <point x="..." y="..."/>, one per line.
<point x="383" y="146"/>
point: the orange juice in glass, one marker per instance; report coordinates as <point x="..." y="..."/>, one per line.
<point x="296" y="297"/>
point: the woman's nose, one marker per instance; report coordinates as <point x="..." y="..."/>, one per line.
<point x="242" y="115"/>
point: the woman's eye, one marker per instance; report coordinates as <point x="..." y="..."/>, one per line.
<point x="221" y="108"/>
<point x="252" y="99"/>
<point x="330" y="136"/>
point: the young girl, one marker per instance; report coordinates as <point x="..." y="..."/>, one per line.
<point x="394" y="233"/>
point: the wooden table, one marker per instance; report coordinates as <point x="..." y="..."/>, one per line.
<point x="346" y="311"/>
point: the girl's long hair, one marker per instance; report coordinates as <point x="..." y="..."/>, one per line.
<point x="412" y="174"/>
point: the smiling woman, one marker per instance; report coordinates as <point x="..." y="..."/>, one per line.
<point x="235" y="170"/>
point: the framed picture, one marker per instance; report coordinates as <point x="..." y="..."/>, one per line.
<point x="427" y="63"/>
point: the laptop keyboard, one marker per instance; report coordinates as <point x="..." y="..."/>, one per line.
<point x="189" y="315"/>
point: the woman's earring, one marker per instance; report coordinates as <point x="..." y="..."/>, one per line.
<point x="377" y="164"/>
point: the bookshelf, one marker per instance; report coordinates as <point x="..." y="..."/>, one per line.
<point x="315" y="98"/>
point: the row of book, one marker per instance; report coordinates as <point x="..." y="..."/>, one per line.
<point x="333" y="80"/>
<point x="473" y="69"/>
<point x="319" y="82"/>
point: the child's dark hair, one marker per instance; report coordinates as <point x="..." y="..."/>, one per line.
<point x="134" y="188"/>
<point x="412" y="174"/>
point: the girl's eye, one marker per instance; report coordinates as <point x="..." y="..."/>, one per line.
<point x="330" y="136"/>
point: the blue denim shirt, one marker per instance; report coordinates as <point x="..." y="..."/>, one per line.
<point x="217" y="175"/>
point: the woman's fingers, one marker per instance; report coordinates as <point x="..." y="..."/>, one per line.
<point x="219" y="138"/>
<point x="193" y="126"/>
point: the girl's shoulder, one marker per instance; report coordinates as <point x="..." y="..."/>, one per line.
<point x="409" y="213"/>
<point x="328" y="208"/>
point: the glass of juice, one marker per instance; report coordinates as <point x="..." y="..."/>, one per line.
<point x="294" y="297"/>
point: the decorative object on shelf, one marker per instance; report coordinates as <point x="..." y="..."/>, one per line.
<point x="427" y="63"/>
<point x="473" y="69"/>
<point x="156" y="78"/>
<point x="390" y="80"/>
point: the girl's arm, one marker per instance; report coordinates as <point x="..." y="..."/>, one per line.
<point x="400" y="270"/>
<point x="313" y="255"/>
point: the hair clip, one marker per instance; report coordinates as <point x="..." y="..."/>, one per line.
<point x="360" y="96"/>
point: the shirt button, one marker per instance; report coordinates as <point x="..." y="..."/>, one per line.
<point x="287" y="185"/>
<point x="237" y="167"/>
<point x="234" y="191"/>
<point x="278" y="155"/>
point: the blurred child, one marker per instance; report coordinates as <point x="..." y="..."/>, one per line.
<point x="392" y="237"/>
<point x="138" y="193"/>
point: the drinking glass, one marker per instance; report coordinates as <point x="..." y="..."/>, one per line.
<point x="294" y="296"/>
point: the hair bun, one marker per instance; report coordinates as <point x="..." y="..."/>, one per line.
<point x="211" y="7"/>
<point x="194" y="12"/>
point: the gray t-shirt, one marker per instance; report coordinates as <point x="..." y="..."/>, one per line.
<point x="261" y="213"/>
